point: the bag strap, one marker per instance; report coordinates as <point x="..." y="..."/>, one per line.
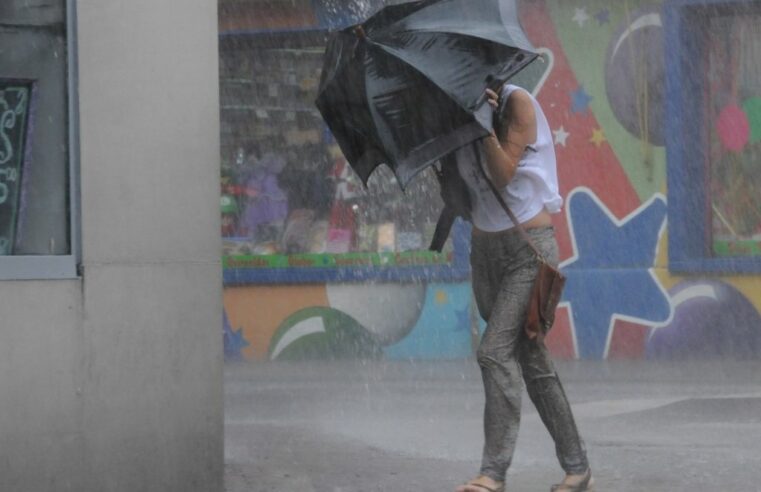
<point x="510" y="213"/>
<point x="443" y="227"/>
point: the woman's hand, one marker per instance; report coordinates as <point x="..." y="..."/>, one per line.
<point x="493" y="98"/>
<point x="504" y="153"/>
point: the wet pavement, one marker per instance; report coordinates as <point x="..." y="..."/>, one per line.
<point x="405" y="426"/>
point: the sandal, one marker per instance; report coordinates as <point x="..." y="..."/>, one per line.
<point x="484" y="488"/>
<point x="586" y="484"/>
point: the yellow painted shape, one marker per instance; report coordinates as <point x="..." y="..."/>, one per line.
<point x="260" y="310"/>
<point x="598" y="137"/>
<point x="441" y="297"/>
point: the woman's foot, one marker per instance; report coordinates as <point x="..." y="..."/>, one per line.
<point x="482" y="484"/>
<point x="575" y="483"/>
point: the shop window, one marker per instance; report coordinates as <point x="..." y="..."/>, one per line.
<point x="292" y="208"/>
<point x="714" y="129"/>
<point x="36" y="220"/>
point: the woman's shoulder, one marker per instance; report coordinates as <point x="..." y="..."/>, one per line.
<point x="511" y="89"/>
<point x="518" y="108"/>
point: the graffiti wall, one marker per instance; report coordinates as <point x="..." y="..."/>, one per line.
<point x="637" y="94"/>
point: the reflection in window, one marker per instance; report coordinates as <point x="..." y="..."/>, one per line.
<point x="14" y="118"/>
<point x="286" y="188"/>
<point x="734" y="106"/>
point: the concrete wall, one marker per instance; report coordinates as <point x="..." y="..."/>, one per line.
<point x="113" y="382"/>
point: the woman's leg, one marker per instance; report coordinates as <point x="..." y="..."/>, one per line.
<point x="502" y="286"/>
<point x="543" y="384"/>
<point x="546" y="392"/>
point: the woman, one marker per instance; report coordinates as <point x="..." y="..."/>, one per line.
<point x="520" y="161"/>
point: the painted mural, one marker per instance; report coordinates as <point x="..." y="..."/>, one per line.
<point x="602" y="83"/>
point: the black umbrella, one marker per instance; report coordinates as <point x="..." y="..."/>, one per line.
<point x="406" y="87"/>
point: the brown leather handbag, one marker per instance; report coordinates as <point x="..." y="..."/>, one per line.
<point x="548" y="285"/>
<point x="545" y="296"/>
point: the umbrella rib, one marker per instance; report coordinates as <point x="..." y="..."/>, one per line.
<point x="399" y="55"/>
<point x="455" y="31"/>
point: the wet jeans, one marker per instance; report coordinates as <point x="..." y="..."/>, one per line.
<point x="504" y="267"/>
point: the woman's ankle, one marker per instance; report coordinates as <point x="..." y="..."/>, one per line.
<point x="490" y="477"/>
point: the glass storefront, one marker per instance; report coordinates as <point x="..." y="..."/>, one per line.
<point x="289" y="198"/>
<point x="733" y="104"/>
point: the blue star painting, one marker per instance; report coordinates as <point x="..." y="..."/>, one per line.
<point x="610" y="274"/>
<point x="580" y="100"/>
<point x="603" y="17"/>
<point x="234" y="341"/>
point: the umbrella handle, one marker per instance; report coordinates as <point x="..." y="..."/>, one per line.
<point x="495" y="83"/>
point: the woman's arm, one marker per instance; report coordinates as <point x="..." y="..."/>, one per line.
<point x="503" y="152"/>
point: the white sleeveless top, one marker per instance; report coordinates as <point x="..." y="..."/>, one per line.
<point x="534" y="186"/>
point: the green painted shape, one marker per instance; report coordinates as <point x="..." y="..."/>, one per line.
<point x="346" y="260"/>
<point x="586" y="50"/>
<point x="747" y="247"/>
<point x="343" y="337"/>
<point x="752" y="108"/>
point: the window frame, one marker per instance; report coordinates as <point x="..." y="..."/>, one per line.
<point x="48" y="267"/>
<point x="689" y="223"/>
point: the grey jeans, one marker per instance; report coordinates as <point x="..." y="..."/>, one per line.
<point x="504" y="267"/>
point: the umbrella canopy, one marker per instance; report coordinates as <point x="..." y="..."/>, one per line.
<point x="406" y="87"/>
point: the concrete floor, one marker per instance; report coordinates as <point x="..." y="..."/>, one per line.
<point x="353" y="426"/>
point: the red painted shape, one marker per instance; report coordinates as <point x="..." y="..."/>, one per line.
<point x="580" y="162"/>
<point x="628" y="340"/>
